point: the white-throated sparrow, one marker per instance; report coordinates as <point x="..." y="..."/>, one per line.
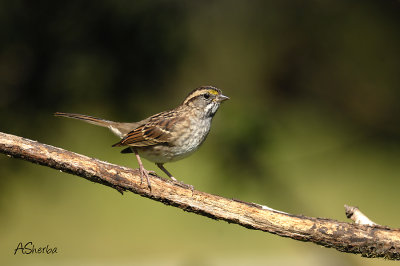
<point x="167" y="136"/>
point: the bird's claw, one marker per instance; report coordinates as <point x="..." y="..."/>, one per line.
<point x="181" y="184"/>
<point x="145" y="173"/>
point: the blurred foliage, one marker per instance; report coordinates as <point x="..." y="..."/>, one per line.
<point x="313" y="122"/>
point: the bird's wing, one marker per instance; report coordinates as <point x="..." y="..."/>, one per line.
<point x="155" y="131"/>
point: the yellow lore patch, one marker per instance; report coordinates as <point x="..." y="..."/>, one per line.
<point x="213" y="92"/>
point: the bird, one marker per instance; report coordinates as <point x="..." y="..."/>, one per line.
<point x="167" y="136"/>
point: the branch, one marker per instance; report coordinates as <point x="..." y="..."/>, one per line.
<point x="369" y="241"/>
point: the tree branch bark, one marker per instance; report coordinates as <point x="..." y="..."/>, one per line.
<point x="369" y="241"/>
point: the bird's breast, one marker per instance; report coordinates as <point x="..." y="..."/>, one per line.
<point x="195" y="134"/>
<point x="186" y="138"/>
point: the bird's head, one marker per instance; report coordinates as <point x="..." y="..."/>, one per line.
<point x="205" y="99"/>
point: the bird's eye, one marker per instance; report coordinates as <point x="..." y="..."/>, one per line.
<point x="206" y="96"/>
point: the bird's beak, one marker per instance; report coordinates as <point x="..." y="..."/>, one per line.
<point x="222" y="98"/>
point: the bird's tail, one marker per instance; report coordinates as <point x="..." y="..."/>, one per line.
<point x="119" y="129"/>
<point x="89" y="119"/>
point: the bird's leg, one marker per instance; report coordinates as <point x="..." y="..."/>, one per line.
<point x="161" y="166"/>
<point x="142" y="170"/>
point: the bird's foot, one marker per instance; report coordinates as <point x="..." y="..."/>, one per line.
<point x="181" y="184"/>
<point x="145" y="174"/>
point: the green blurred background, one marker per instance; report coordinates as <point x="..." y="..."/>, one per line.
<point x="313" y="123"/>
